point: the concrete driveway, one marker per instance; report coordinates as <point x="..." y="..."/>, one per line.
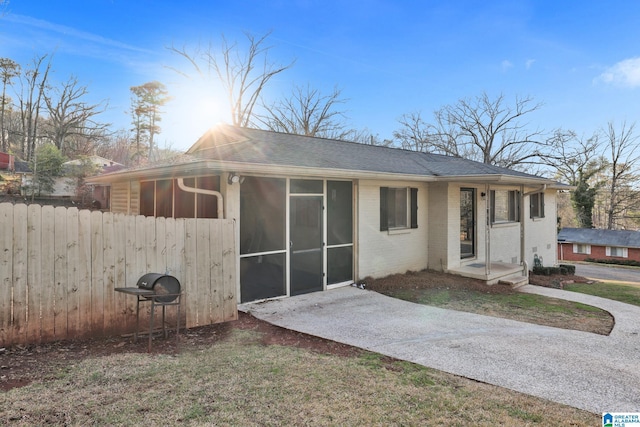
<point x="588" y="371"/>
<point x="604" y="272"/>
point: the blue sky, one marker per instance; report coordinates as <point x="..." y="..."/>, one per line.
<point x="581" y="59"/>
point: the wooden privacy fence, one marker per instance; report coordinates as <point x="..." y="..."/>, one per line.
<point x="59" y="268"/>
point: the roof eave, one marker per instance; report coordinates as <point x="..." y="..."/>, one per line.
<point x="499" y="179"/>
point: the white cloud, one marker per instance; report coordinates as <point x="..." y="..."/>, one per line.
<point x="506" y="65"/>
<point x="625" y="73"/>
<point x="529" y="63"/>
<point x="71" y="33"/>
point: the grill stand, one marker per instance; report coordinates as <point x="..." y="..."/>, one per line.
<point x="145" y="295"/>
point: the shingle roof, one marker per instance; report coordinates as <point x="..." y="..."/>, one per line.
<point x="592" y="236"/>
<point x="234" y="144"/>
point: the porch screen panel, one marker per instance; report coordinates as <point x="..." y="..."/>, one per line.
<point x="306" y="186"/>
<point x="339" y="264"/>
<point x="262" y="215"/>
<point x="262" y="238"/>
<point x="147" y="198"/>
<point x="339" y="213"/>
<point x="207" y="204"/>
<point x="262" y="276"/>
<point x="185" y="204"/>
<point x="339" y="231"/>
<point x="164" y="198"/>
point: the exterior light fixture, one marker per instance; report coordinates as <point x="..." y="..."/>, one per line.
<point x="234" y="178"/>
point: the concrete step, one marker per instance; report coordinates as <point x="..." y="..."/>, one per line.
<point x="515" y="280"/>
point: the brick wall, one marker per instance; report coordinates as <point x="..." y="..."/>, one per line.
<point x="565" y="253"/>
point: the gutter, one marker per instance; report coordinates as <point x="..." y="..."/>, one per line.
<point x="195" y="190"/>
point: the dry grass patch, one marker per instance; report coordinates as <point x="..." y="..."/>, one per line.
<point x="241" y="381"/>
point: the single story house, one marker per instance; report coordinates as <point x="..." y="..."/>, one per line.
<point x="66" y="186"/>
<point x="578" y="244"/>
<point x="317" y="213"/>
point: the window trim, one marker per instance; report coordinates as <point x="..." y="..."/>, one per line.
<point x="513" y="207"/>
<point x="587" y="249"/>
<point x="536" y="211"/>
<point x="625" y="251"/>
<point x="412" y="208"/>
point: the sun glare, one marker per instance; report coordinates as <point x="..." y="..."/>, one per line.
<point x="194" y="109"/>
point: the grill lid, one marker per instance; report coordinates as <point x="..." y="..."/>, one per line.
<point x="161" y="284"/>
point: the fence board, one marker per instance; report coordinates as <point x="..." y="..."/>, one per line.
<point x="109" y="269"/>
<point x="74" y="327"/>
<point x="215" y="272"/>
<point x="177" y="254"/>
<point x="131" y="271"/>
<point x="34" y="263"/>
<point x="190" y="281"/>
<point x="151" y="245"/>
<point x="60" y="272"/>
<point x="6" y="273"/>
<point x="20" y="264"/>
<point x="120" y="273"/>
<point x="47" y="277"/>
<point x="84" y="271"/>
<point x="97" y="277"/>
<point x="203" y="276"/>
<point x="229" y="288"/>
<point x="59" y="268"/>
<point x="160" y="248"/>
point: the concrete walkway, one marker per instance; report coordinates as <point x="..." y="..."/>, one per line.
<point x="588" y="371"/>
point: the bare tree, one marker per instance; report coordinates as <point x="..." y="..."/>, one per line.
<point x="8" y="71"/>
<point x="414" y="133"/>
<point x="243" y="76"/>
<point x="33" y="85"/>
<point x="146" y="105"/>
<point x="578" y="162"/>
<point x="71" y="117"/>
<point x="308" y="112"/>
<point x="482" y="129"/>
<point x="622" y="144"/>
<point x="117" y="147"/>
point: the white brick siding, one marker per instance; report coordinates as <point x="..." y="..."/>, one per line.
<point x="387" y="252"/>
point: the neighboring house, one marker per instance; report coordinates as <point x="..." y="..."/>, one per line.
<point x="67" y="186"/>
<point x="9" y="174"/>
<point x="315" y="213"/>
<point x="7" y="162"/>
<point x="578" y="244"/>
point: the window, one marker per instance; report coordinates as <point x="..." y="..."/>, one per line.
<point x="581" y="249"/>
<point x="398" y="208"/>
<point x="536" y="204"/>
<point x="617" y="252"/>
<point x="505" y="206"/>
<point x="163" y="198"/>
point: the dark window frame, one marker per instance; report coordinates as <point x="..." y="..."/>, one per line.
<point x="512" y="208"/>
<point x="536" y="205"/>
<point x="387" y="223"/>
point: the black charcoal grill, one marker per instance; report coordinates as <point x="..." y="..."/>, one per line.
<point x="165" y="288"/>
<point x="161" y="290"/>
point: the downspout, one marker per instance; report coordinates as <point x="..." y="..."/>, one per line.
<point x="218" y="195"/>
<point x="523" y="262"/>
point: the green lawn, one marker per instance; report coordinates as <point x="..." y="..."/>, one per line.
<point x="614" y="291"/>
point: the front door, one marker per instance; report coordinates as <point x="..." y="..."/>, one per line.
<point x="467" y="222"/>
<point x="306" y="245"/>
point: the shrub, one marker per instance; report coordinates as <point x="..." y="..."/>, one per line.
<point x="569" y="268"/>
